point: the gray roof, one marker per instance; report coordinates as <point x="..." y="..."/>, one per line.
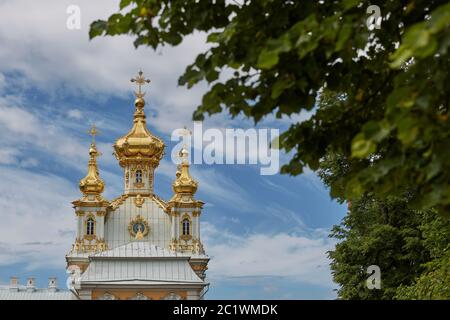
<point x="140" y="262"/>
<point x="37" y="294"/>
<point x="137" y="249"/>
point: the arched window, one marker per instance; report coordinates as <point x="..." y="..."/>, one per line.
<point x="186" y="227"/>
<point x="90" y="226"/>
<point x="138" y="176"/>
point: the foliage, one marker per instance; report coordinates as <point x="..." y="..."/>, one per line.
<point x="411" y="247"/>
<point x="433" y="284"/>
<point x="393" y="122"/>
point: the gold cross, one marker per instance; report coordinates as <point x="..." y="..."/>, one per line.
<point x="93" y="132"/>
<point x="140" y="81"/>
<point x="184" y="132"/>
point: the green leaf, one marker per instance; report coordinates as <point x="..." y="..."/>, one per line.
<point x="400" y="98"/>
<point x="280" y="86"/>
<point x="407" y="130"/>
<point x="433" y="168"/>
<point x="440" y="19"/>
<point x="269" y="55"/>
<point x="97" y="28"/>
<point x="267" y="59"/>
<point x="214" y="37"/>
<point x="361" y="147"/>
<point x="344" y="35"/>
<point x="376" y="130"/>
<point x="348" y="4"/>
<point x="354" y="189"/>
<point x="400" y="56"/>
<point x="427" y="50"/>
<point x="124" y="3"/>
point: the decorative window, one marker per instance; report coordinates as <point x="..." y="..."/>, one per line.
<point x="172" y="296"/>
<point x="90" y="225"/>
<point x="138" y="176"/>
<point x="107" y="296"/>
<point x="186" y="227"/>
<point x="139" y="296"/>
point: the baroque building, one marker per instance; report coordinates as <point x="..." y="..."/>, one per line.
<point x="138" y="246"/>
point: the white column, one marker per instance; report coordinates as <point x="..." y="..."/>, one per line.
<point x="194" y="227"/>
<point x="177" y="226"/>
<point x="100" y="229"/>
<point x="172" y="233"/>
<point x="197" y="225"/>
<point x="79" y="226"/>
<point x="125" y="172"/>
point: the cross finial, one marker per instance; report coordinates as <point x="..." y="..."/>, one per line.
<point x="140" y="81"/>
<point x="183" y="154"/>
<point x="93" y="132"/>
<point x="185" y="132"/>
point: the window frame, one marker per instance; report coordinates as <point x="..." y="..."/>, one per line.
<point x="188" y="219"/>
<point x="138" y="177"/>
<point x="90" y="224"/>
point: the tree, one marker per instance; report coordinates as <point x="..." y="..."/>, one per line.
<point x="411" y="247"/>
<point x="388" y="234"/>
<point x="433" y="284"/>
<point x="392" y="120"/>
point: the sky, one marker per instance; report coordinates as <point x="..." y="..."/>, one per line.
<point x="267" y="236"/>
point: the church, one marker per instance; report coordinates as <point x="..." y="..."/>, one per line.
<point x="136" y="246"/>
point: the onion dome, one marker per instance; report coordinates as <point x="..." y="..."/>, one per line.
<point x="92" y="184"/>
<point x="139" y="143"/>
<point x="184" y="183"/>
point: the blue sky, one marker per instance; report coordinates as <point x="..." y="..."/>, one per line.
<point x="266" y="235"/>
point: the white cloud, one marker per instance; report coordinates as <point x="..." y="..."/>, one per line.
<point x="37" y="219"/>
<point x="52" y="57"/>
<point x="18" y="121"/>
<point x="23" y="130"/>
<point x="75" y="114"/>
<point x="8" y="155"/>
<point x="299" y="257"/>
<point x="29" y="163"/>
<point x="285" y="217"/>
<point x="2" y="82"/>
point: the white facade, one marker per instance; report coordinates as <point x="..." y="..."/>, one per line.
<point x="138" y="246"/>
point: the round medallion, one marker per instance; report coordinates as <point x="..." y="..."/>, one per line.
<point x="138" y="227"/>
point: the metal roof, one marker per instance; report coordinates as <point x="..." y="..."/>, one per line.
<point x="37" y="294"/>
<point x="140" y="261"/>
<point x="137" y="249"/>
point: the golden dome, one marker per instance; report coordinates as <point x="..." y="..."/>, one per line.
<point x="92" y="184"/>
<point x="184" y="182"/>
<point x="139" y="143"/>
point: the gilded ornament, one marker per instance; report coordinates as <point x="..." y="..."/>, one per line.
<point x="138" y="225"/>
<point x="139" y="201"/>
<point x="139" y="145"/>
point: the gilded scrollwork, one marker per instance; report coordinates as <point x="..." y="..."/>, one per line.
<point x="139" y="201"/>
<point x="136" y="225"/>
